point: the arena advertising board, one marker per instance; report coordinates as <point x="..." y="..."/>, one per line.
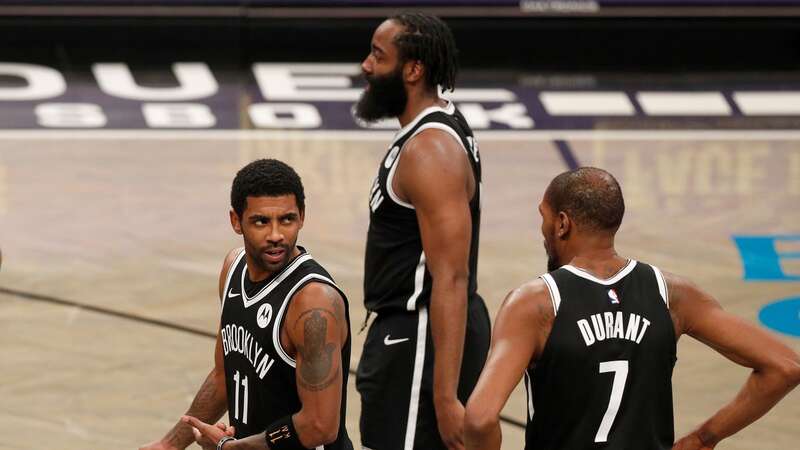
<point x="270" y="95"/>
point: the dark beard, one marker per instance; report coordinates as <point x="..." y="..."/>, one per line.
<point x="385" y="98"/>
<point x="256" y="254"/>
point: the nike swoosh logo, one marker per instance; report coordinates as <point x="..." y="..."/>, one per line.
<point x="231" y="294"/>
<point x="387" y="341"/>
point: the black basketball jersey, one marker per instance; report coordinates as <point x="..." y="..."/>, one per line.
<point x="395" y="273"/>
<point x="259" y="374"/>
<point x="604" y="379"/>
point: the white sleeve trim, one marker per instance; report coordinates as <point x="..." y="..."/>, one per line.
<point x="529" y="392"/>
<point x="662" y="285"/>
<point x="555" y="295"/>
<point x="276" y="329"/>
<point x="390" y="176"/>
<point x="229" y="276"/>
<point x="390" y="180"/>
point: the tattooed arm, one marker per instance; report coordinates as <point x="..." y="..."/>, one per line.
<point x="209" y="404"/>
<point x="314" y="332"/>
<point x="317" y="330"/>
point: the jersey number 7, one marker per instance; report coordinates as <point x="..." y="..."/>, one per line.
<point x="620" y="369"/>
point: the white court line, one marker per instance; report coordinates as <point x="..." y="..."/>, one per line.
<point x="374" y="135"/>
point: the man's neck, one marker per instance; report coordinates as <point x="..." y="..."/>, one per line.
<point x="597" y="256"/>
<point x="416" y="104"/>
<point x="255" y="274"/>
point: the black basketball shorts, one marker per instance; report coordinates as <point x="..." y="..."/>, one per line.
<point x="395" y="377"/>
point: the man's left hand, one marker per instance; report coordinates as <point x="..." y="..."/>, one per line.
<point x="207" y="436"/>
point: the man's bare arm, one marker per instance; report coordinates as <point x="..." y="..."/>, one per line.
<point x="210" y="402"/>
<point x="521" y="329"/>
<point x="776" y="368"/>
<point x="434" y="175"/>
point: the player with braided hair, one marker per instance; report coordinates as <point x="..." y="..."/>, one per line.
<point x="424" y="351"/>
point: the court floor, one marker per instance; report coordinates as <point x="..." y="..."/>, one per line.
<point x="112" y="244"/>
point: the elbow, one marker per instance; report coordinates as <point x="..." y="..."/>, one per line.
<point x="461" y="279"/>
<point x="479" y="421"/>
<point x="790" y="371"/>
<point x="784" y="373"/>
<point x="218" y="375"/>
<point x="452" y="281"/>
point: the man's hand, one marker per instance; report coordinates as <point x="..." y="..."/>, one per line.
<point x="207" y="436"/>
<point x="450" y="418"/>
<point x="690" y="442"/>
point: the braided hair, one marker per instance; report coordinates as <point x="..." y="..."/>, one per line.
<point x="428" y="39"/>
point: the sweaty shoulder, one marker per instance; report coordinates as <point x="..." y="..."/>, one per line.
<point x="434" y="162"/>
<point x="527" y="313"/>
<point x="323" y="297"/>
<point x="531" y="300"/>
<point x="316" y="293"/>
<point x="226" y="267"/>
<point x="433" y="146"/>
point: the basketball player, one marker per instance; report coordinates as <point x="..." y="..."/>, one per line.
<point x="283" y="348"/>
<point x="596" y="337"/>
<point x="424" y="351"/>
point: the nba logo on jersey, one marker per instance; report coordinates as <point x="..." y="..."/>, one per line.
<point x="612" y="294"/>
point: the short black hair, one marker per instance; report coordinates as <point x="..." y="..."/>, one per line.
<point x="266" y="178"/>
<point x="590" y="196"/>
<point x="428" y="39"/>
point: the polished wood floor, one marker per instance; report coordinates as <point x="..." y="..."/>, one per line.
<point x="138" y="225"/>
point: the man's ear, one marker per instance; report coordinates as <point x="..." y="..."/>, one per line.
<point x="236" y="224"/>
<point x="563" y="225"/>
<point x="414" y="71"/>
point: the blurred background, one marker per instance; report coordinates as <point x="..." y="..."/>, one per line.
<point x="123" y="122"/>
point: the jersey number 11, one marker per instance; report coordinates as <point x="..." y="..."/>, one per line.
<point x="243" y="381"/>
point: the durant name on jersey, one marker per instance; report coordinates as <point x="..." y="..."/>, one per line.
<point x="612" y="326"/>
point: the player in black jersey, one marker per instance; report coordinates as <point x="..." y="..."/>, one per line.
<point x="596" y="336"/>
<point x="283" y="349"/>
<point x="415" y="373"/>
